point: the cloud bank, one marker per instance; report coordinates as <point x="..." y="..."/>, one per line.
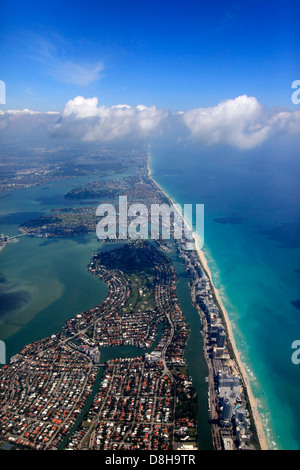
<point x="241" y="122"/>
<point x="235" y="122"/>
<point x="91" y="122"/>
<point x="16" y="124"/>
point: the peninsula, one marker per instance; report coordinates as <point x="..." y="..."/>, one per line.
<point x="117" y="377"/>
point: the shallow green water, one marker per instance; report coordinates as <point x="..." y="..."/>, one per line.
<point x="44" y="282"/>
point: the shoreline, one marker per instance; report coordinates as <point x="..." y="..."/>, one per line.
<point x="252" y="400"/>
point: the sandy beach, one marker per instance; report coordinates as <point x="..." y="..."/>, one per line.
<point x="256" y="416"/>
<point x="252" y="401"/>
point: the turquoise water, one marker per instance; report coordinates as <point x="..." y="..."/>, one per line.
<point x="43" y="282"/>
<point x="252" y="243"/>
<point x="197" y="367"/>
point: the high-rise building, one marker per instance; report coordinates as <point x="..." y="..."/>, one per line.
<point x="227" y="410"/>
<point x="221" y="337"/>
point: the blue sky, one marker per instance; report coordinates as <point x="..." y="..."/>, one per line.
<point x="176" y="55"/>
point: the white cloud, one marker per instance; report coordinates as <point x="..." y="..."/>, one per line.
<point x="80" y="107"/>
<point x="238" y="122"/>
<point x="286" y="121"/>
<point x="85" y="118"/>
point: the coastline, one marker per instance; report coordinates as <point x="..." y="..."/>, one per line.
<point x="252" y="400"/>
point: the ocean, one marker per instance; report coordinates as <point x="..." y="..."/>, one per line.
<point x="252" y="245"/>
